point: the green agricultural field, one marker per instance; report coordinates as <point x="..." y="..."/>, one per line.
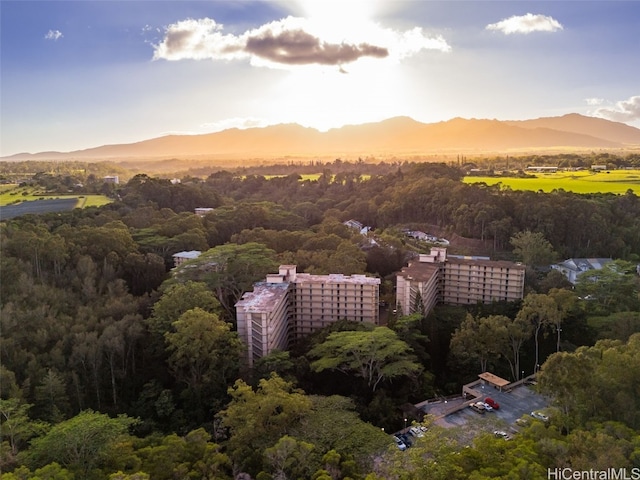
<point x="312" y="176"/>
<point x="611" y="181"/>
<point x="14" y="194"/>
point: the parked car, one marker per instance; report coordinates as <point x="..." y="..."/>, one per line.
<point x="487" y="407"/>
<point x="406" y="439"/>
<point x="417" y="431"/>
<point x="400" y="444"/>
<point x="540" y="416"/>
<point x="491" y="402"/>
<point x="502" y="434"/>
<point x="477" y="407"/>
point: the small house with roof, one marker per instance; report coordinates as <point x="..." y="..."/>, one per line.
<point x="572" y="268"/>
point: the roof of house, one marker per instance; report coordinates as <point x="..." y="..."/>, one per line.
<point x="583" y="264"/>
<point x="191" y="254"/>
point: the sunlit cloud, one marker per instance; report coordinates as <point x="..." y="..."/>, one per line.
<point x="623" y="111"/>
<point x="291" y="41"/>
<point x="594" y="101"/>
<point x="53" y="35"/>
<point x="297" y="47"/>
<point x="528" y="23"/>
<point x="237" y="122"/>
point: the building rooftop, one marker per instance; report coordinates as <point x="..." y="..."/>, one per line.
<point x="482" y="261"/>
<point x="420" y="271"/>
<point x="191" y="254"/>
<point x="584" y="264"/>
<point x="334" y="278"/>
<point x="264" y="295"/>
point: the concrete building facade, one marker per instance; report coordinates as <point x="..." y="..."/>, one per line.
<point x="181" y="257"/>
<point x="453" y="280"/>
<point x="290" y="305"/>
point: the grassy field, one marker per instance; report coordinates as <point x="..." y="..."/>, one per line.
<point x="13" y="194"/>
<point x="613" y="181"/>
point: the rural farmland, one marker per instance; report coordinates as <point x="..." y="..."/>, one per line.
<point x="16" y="201"/>
<point x="610" y="181"/>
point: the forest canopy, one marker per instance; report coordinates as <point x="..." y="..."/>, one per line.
<point x="101" y="334"/>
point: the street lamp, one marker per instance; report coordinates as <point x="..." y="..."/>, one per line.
<point x="405" y="423"/>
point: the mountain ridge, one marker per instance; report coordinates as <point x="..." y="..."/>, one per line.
<point x="396" y="135"/>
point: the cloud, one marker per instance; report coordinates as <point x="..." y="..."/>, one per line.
<point x="236" y="122"/>
<point x="198" y="40"/>
<point x="287" y="42"/>
<point x="297" y="47"/>
<point x="526" y="24"/>
<point x="53" y="35"/>
<point x="594" y="101"/>
<point x="624" y="111"/>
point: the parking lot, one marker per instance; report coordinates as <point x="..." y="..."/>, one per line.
<point x="521" y="400"/>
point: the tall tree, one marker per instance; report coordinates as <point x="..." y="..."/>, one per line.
<point x="518" y="331"/>
<point x="177" y="299"/>
<point x="257" y="418"/>
<point x="15" y="426"/>
<point x="566" y="300"/>
<point x="229" y="270"/>
<point x="289" y="458"/>
<point x="203" y="353"/>
<point x="374" y="355"/>
<point x="614" y="288"/>
<point x="532" y="248"/>
<point x="480" y="339"/>
<point x="538" y="310"/>
<point x="82" y="443"/>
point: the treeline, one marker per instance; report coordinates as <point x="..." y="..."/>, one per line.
<point x="560" y="160"/>
<point x="99" y="336"/>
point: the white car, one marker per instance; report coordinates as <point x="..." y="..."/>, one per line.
<point x="502" y="434"/>
<point x="400" y="444"/>
<point x="487" y="407"/>
<point x="540" y="416"/>
<point x="417" y="431"/>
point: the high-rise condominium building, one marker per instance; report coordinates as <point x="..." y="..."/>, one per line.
<point x="290" y="305"/>
<point x="454" y="280"/>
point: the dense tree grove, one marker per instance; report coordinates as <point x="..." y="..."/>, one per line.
<point x="114" y="365"/>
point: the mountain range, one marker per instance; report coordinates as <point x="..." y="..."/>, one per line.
<point x="395" y="136"/>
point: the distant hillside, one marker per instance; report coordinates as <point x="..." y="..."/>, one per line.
<point x="400" y="136"/>
<point x="595" y="127"/>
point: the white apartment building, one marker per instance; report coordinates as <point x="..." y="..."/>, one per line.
<point x="290" y="305"/>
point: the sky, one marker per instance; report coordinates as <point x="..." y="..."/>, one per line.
<point x="80" y="74"/>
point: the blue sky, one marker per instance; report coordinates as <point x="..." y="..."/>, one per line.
<point x="78" y="74"/>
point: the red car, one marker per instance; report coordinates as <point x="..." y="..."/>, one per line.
<point x="492" y="403"/>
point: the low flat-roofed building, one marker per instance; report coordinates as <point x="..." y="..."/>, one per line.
<point x="202" y="211"/>
<point x="494" y="380"/>
<point x="290" y="305"/>
<point x="111" y="179"/>
<point x="181" y="257"/>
